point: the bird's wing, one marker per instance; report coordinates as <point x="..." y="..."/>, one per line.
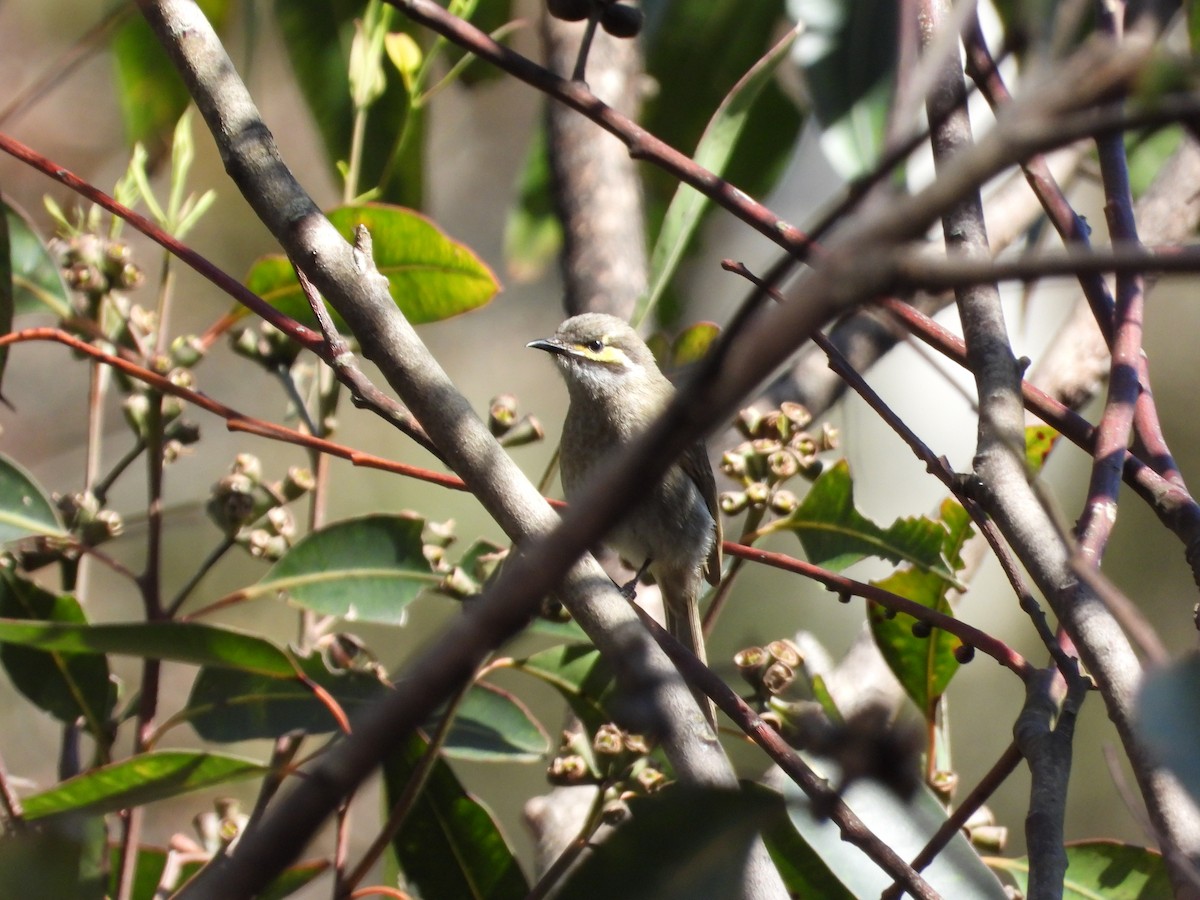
<point x="695" y="464"/>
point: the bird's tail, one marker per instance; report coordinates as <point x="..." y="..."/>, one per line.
<point x="685" y="626"/>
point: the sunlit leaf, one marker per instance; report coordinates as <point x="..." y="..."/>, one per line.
<point x="578" y="673"/>
<point x="431" y="276"/>
<point x="1107" y="869"/>
<point x="449" y="844"/>
<point x="835" y="534"/>
<point x="492" y="725"/>
<point x="69" y="686"/>
<point x="1039" y="441"/>
<point x="923" y="665"/>
<point x="185" y="642"/>
<point x="692" y="343"/>
<point x="25" y="510"/>
<point x="139" y="780"/>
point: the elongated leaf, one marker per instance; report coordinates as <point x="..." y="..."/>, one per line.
<point x="36" y="279"/>
<point x="152" y="861"/>
<point x="317" y="37"/>
<point x="1107" y="869"/>
<point x="25" y="510"/>
<point x="804" y="873"/>
<point x="69" y="686"/>
<point x="903" y="826"/>
<point x="835" y="534"/>
<point x="491" y="725"/>
<point x="713" y="152"/>
<point x="366" y="569"/>
<point x="699" y="839"/>
<point x="579" y="674"/>
<point x="924" y="666"/>
<point x="140" y="780"/>
<point x="431" y="276"/>
<point x="149" y="88"/>
<point x="227" y="705"/>
<point x="847" y="50"/>
<point x="449" y="845"/>
<point x="184" y="642"/>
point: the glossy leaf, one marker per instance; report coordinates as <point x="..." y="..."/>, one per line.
<point x="923" y="665"/>
<point x="1107" y="869"/>
<point x="139" y="780"/>
<point x="151" y="94"/>
<point x="579" y="674"/>
<point x="25" y="510"/>
<point x="227" y="705"/>
<point x="713" y="152"/>
<point x="317" y="38"/>
<point x="835" y="534"/>
<point x="151" y="862"/>
<point x="492" y="725"/>
<point x="184" y="642"/>
<point x="366" y="569"/>
<point x="36" y="279"/>
<point x="1168" y="710"/>
<point x="431" y="276"/>
<point x="69" y="686"/>
<point x="449" y="845"/>
<point x="903" y="826"/>
<point x="847" y="51"/>
<point x="698" y="838"/>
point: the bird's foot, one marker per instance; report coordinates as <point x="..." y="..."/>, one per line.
<point x="629" y="589"/>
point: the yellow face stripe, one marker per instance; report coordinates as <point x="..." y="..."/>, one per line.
<point x="606" y="354"/>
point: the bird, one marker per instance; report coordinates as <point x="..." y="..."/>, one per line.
<point x="616" y="391"/>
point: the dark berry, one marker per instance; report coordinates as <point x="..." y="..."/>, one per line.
<point x="621" y="21"/>
<point x="569" y="10"/>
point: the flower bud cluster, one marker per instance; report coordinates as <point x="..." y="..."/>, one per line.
<point x="615" y="758"/>
<point x="95" y="267"/>
<point x="777" y="448"/>
<point x="264" y="344"/>
<point x="254" y="512"/>
<point x="474" y="569"/>
<point x="85" y="516"/>
<point x="769" y="670"/>
<point x="508" y="428"/>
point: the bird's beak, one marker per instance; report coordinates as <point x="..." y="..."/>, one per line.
<point x="550" y="345"/>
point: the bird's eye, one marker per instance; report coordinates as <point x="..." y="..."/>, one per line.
<point x="595" y="346"/>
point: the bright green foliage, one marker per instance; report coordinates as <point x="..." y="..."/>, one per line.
<point x="835" y="534"/>
<point x="25" y="510"/>
<point x="37" y="284"/>
<point x="431" y="276"/>
<point x="1107" y="869"/>
<point x="923" y="665"/>
<point x="138" y="780"/>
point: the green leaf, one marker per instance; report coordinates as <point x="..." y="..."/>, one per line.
<point x="713" y="152"/>
<point x="692" y="343"/>
<point x="847" y="51"/>
<point x="184" y="642"/>
<point x="700" y="838"/>
<point x="491" y="725"/>
<point x="36" y="278"/>
<point x="150" y="91"/>
<point x="69" y="686"/>
<point x="1107" y="869"/>
<point x="1039" y="441"/>
<point x="722" y="39"/>
<point x="431" y="276"/>
<point x="579" y="674"/>
<point x="804" y="873"/>
<point x="924" y="666"/>
<point x="366" y="569"/>
<point x="139" y="780"/>
<point x="533" y="233"/>
<point x="1148" y="154"/>
<point x="25" y="510"/>
<point x="51" y="862"/>
<point x="904" y="826"/>
<point x="318" y="39"/>
<point x="449" y="845"/>
<point x="227" y="705"/>
<point x="152" y="861"/>
<point x="835" y="535"/>
<point x="1168" y="709"/>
